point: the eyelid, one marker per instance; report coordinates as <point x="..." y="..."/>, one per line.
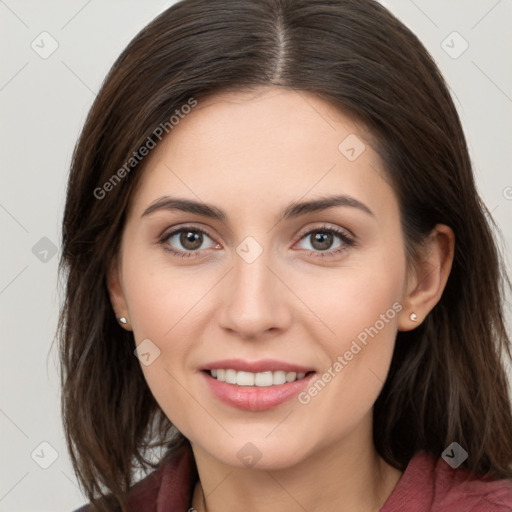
<point x="325" y="226"/>
<point x="167" y="232"/>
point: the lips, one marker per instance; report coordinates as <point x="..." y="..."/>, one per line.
<point x="266" y="393"/>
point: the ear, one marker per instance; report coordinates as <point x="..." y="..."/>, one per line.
<point x="117" y="298"/>
<point x="426" y="283"/>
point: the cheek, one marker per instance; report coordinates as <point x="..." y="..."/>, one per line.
<point x="166" y="305"/>
<point x="165" y="310"/>
<point x="358" y="309"/>
<point x="161" y="296"/>
<point x="354" y="300"/>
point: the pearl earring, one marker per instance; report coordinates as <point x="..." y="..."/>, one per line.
<point x="413" y="317"/>
<point x="122" y="320"/>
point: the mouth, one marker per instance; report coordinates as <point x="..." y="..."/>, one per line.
<point x="256" y="386"/>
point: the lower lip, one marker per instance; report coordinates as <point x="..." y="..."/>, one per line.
<point x="254" y="398"/>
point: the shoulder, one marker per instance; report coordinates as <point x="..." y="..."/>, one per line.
<point x="142" y="495"/>
<point x="171" y="482"/>
<point x="429" y="483"/>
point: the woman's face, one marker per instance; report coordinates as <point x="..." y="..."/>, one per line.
<point x="259" y="280"/>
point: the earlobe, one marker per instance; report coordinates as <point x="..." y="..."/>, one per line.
<point x="430" y="277"/>
<point x="117" y="299"/>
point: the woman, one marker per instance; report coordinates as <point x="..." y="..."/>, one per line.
<point x="280" y="273"/>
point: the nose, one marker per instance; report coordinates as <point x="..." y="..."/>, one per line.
<point x="256" y="299"/>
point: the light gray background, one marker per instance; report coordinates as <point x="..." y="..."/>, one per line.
<point x="43" y="106"/>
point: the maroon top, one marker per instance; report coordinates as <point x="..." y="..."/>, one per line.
<point x="426" y="485"/>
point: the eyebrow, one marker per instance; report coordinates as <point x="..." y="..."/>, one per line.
<point x="294" y="209"/>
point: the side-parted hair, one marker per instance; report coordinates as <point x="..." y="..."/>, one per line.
<point x="446" y="381"/>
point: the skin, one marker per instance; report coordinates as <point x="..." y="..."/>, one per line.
<point x="251" y="154"/>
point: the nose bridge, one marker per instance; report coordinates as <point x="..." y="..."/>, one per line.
<point x="252" y="279"/>
<point x="255" y="298"/>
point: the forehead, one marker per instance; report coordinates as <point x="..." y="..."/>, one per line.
<point x="264" y="146"/>
<point x="263" y="121"/>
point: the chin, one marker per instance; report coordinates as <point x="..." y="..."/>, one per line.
<point x="255" y="453"/>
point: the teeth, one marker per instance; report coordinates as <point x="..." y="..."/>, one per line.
<point x="261" y="379"/>
<point x="245" y="378"/>
<point x="278" y="377"/>
<point x="291" y="376"/>
<point x="231" y="376"/>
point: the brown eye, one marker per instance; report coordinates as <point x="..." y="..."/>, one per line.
<point x="185" y="242"/>
<point x="321" y="241"/>
<point x="191" y="240"/>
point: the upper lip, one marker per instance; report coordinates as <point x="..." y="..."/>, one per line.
<point x="262" y="365"/>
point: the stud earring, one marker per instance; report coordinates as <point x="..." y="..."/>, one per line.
<point x="413" y="317"/>
<point x="122" y="320"/>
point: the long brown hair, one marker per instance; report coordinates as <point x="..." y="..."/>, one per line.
<point x="447" y="380"/>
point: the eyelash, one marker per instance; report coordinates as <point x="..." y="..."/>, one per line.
<point x="346" y="239"/>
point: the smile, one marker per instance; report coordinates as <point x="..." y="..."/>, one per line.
<point x="255" y="385"/>
<point x="260" y="379"/>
